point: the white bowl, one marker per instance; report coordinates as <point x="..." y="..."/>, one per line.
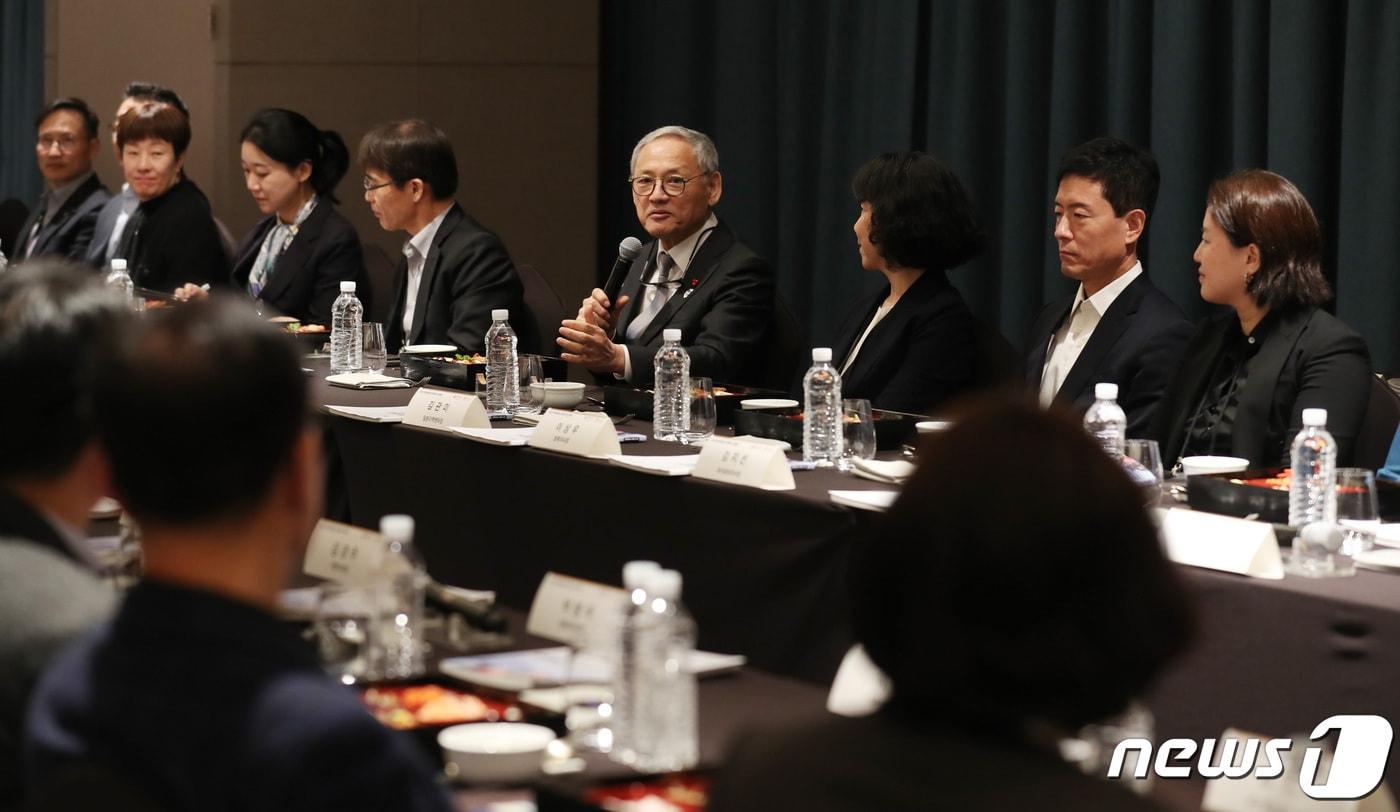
<point x="767" y="403"/>
<point x="494" y="752"/>
<point x="557" y="394"/>
<point x="1194" y="466"/>
<point x="933" y="426"/>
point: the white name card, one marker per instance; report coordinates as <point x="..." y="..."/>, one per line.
<point x="750" y="462"/>
<point x="574" y="611"/>
<point x="343" y="553"/>
<point x="583" y="434"/>
<point x="1220" y="543"/>
<point x="444" y="410"/>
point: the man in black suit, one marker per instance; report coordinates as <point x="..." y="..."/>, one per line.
<point x="197" y="695"/>
<point x="454" y="271"/>
<point x="53" y="318"/>
<point x="63" y="222"/>
<point x="1118" y="328"/>
<point x="697" y="276"/>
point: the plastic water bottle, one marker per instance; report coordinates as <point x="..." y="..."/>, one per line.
<point x="119" y="280"/>
<point x="821" y="419"/>
<point x="662" y="732"/>
<point x="402" y="636"/>
<point x="502" y="367"/>
<point x="670" y="400"/>
<point x="346" y="340"/>
<point x="1105" y="420"/>
<point x="624" y="693"/>
<point x="1312" y="491"/>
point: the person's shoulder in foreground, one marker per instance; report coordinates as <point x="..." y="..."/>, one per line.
<point x="883" y="762"/>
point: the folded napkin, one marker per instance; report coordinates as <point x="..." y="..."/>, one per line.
<point x="369" y="380"/>
<point x="891" y="471"/>
<point x="878" y="501"/>
<point x="370" y="414"/>
<point x="681" y="465"/>
<point x="507" y="437"/>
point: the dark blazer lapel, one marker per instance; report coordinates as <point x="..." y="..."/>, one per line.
<point x="430" y="269"/>
<point x="1110" y="328"/>
<point x="1257" y="396"/>
<point x="22" y="238"/>
<point x="54" y="229"/>
<point x="298" y="253"/>
<point x="1193" y="377"/>
<point x="248" y="252"/>
<point x="850" y="330"/>
<point x="706" y="260"/>
<point x="1040" y="335"/>
<point x="632" y="286"/>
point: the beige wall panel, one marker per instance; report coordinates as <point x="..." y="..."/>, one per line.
<point x="347" y="99"/>
<point x="100" y="46"/>
<point x="321" y="31"/>
<point x="526" y="140"/>
<point x="523" y="31"/>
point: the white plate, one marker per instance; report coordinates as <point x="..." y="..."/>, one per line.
<point x="932" y="426"/>
<point x="767" y="403"/>
<point x="428" y="349"/>
<point x="1387" y="534"/>
<point x="105" y="508"/>
<point x="1193" y="466"/>
<point x="1381" y="559"/>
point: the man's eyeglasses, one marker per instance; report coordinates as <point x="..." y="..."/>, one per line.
<point x="65" y="143"/>
<point x="369" y="185"/>
<point x="674" y="185"/>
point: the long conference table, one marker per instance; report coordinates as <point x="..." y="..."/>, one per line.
<point x="765" y="571"/>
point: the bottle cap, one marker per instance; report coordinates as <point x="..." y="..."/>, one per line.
<point x="347" y="287"/>
<point x="635" y="573"/>
<point x="396" y="527"/>
<point x="1106" y="391"/>
<point x="671" y="334"/>
<point x="119" y="264"/>
<point x="1315" y="417"/>
<point x="500" y="314"/>
<point x="822" y="355"/>
<point x="664" y="584"/>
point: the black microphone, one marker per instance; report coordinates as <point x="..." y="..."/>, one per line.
<point x="627" y="251"/>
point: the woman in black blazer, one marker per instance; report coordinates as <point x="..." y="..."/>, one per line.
<point x="911" y="345"/>
<point x="295" y="258"/>
<point x="1248" y="374"/>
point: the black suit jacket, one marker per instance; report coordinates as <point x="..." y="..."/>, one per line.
<point x="1308" y="359"/>
<point x="175" y="241"/>
<point x="306" y="279"/>
<point x="723" y="309"/>
<point x="106" y="222"/>
<point x="207" y="703"/>
<point x="922" y="352"/>
<point x="1137" y="345"/>
<point x="70" y="231"/>
<point x="468" y="274"/>
<point x="884" y="762"/>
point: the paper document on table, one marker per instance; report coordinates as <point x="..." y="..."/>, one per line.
<point x="370" y="414"/>
<point x="680" y="465"/>
<point x="506" y="437"/>
<point x="369" y="380"/>
<point x="891" y="471"/>
<point x="1387" y="534"/>
<point x="534" y="668"/>
<point x="878" y="501"/>
<point x="1220" y="543"/>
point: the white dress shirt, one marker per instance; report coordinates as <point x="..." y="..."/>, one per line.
<point x="416" y="249"/>
<point x="655" y="297"/>
<point x="1068" y="341"/>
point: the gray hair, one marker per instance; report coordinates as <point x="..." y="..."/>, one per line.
<point x="705" y="153"/>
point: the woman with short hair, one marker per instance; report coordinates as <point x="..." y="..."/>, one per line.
<point x="295" y="258"/>
<point x="171" y="237"/>
<point x="1248" y="373"/>
<point x="911" y="345"/>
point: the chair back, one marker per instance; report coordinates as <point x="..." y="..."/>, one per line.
<point x="380" y="271"/>
<point x="543" y="312"/>
<point x="13" y="213"/>
<point x="1377" y="427"/>
<point x="780" y="362"/>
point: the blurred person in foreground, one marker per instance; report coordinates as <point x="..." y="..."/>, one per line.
<point x="196" y="695"/>
<point x="1014" y="593"/>
<point x="1249" y="373"/>
<point x="53" y="318"/>
<point x="66" y="145"/>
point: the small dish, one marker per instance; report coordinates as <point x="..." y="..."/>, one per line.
<point x="1198" y="465"/>
<point x="752" y="404"/>
<point x="557" y="394"/>
<point x="428" y="349"/>
<point x="932" y="426"/>
<point x="105" y="508"/>
<point x="494" y="752"/>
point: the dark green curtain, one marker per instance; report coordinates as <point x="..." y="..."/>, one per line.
<point x="21" y="96"/>
<point x="799" y="93"/>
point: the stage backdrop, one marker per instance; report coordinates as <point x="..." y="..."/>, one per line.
<point x="798" y="94"/>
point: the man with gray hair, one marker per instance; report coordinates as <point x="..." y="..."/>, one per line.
<point x="695" y="276"/>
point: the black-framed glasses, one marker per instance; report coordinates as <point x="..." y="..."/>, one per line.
<point x="673" y="185"/>
<point x="369" y="185"/>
